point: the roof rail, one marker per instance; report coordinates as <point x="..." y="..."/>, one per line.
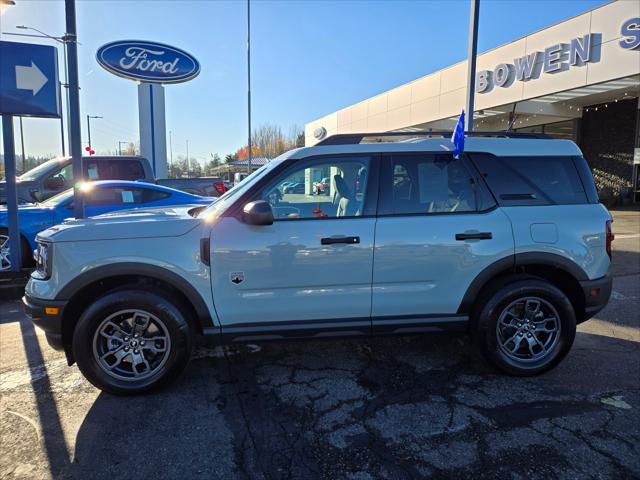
<point x="356" y="138"/>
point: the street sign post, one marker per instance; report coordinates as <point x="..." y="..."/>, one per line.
<point x="29" y="86"/>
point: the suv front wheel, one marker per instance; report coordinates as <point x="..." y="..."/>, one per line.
<point x="132" y="341"/>
<point x="527" y="327"/>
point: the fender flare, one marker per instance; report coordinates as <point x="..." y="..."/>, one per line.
<point x="509" y="264"/>
<point x="147" y="270"/>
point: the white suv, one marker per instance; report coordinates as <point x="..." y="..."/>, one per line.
<point x="508" y="243"/>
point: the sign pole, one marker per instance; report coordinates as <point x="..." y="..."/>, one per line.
<point x="249" y="82"/>
<point x="471" y="59"/>
<point x="12" y="196"/>
<point x="75" y="138"/>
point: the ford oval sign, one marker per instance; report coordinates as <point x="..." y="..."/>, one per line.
<point x="147" y="61"/>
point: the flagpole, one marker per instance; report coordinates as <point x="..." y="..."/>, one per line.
<point x="471" y="58"/>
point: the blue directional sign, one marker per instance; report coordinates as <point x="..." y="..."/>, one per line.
<point x="29" y="83"/>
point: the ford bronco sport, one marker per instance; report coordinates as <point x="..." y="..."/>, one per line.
<point x="507" y="243"/>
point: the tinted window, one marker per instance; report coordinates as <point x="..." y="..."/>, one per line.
<point x="428" y="183"/>
<point x="320" y="188"/>
<point x="149" y="195"/>
<point x="115" y="196"/>
<point x="114" y="170"/>
<point x="531" y="180"/>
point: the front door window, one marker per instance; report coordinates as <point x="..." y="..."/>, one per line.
<point x="321" y="188"/>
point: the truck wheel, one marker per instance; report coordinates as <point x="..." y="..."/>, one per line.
<point x="132" y="341"/>
<point x="5" y="255"/>
<point x="526" y="327"/>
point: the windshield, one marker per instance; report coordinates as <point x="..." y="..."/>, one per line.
<point x="225" y="200"/>
<point x="58" y="199"/>
<point x="37" y="172"/>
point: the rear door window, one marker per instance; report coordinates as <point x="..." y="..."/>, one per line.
<point x="427" y="183"/>
<point x="545" y="180"/>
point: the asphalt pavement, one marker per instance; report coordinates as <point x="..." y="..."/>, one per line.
<point x="410" y="407"/>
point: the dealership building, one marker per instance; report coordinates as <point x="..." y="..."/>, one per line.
<point x="578" y="79"/>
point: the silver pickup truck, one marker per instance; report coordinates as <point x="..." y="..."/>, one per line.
<point x="56" y="175"/>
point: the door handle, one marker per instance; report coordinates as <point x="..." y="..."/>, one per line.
<point x="474" y="236"/>
<point x="334" y="240"/>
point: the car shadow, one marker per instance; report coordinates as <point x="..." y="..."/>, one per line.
<point x="330" y="408"/>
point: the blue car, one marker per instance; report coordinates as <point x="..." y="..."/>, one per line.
<point x="100" y="197"/>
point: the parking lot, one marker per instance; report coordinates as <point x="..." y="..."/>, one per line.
<point x="380" y="408"/>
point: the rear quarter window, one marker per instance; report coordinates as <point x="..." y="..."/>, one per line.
<point x="532" y="180"/>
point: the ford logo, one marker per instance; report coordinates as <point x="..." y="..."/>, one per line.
<point x="147" y="61"/>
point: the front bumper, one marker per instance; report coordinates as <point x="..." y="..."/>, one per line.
<point x="46" y="315"/>
<point x="596" y="295"/>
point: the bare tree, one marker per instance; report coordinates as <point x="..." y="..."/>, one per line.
<point x="271" y="141"/>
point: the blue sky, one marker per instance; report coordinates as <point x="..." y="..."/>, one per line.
<point x="309" y="58"/>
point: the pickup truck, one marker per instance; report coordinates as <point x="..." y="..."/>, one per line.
<point x="56" y="175"/>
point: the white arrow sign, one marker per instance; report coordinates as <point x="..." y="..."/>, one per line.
<point x="30" y="78"/>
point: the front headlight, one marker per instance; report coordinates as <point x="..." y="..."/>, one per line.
<point x="42" y="256"/>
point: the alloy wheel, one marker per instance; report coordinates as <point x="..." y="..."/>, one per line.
<point x="131" y="345"/>
<point x="528" y="329"/>
<point x="5" y="259"/>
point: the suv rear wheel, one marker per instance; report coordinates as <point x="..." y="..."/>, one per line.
<point x="132" y="341"/>
<point x="528" y="327"/>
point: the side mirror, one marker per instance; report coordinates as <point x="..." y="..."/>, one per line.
<point x="55" y="183"/>
<point x="258" y="213"/>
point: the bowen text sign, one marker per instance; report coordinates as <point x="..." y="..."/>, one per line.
<point x="29" y="83"/>
<point x="147" y="61"/>
<point x="556" y="58"/>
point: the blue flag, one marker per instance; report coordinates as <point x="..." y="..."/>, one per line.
<point x="458" y="137"/>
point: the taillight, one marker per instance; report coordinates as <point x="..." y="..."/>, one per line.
<point x="610" y="237"/>
<point x="221" y="187"/>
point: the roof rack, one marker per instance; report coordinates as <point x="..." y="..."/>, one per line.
<point x="356" y="138"/>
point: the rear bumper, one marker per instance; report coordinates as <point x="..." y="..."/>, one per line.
<point x="596" y="295"/>
<point x="50" y="323"/>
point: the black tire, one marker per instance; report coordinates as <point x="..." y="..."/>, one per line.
<point x="25" y="250"/>
<point x="510" y="297"/>
<point x="162" y="311"/>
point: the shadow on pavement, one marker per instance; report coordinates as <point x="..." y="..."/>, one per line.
<point x="53" y="437"/>
<point x="389" y="407"/>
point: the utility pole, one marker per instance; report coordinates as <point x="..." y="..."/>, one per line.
<point x="188" y="162"/>
<point x="89" y="117"/>
<point x="22" y="144"/>
<point x="120" y="147"/>
<point x="249" y="82"/>
<point x="471" y="59"/>
<point x="170" y="151"/>
<point x="75" y="135"/>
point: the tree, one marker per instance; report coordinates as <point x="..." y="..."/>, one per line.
<point x="230" y="158"/>
<point x="243" y="153"/>
<point x="211" y="165"/>
<point x="271" y="142"/>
